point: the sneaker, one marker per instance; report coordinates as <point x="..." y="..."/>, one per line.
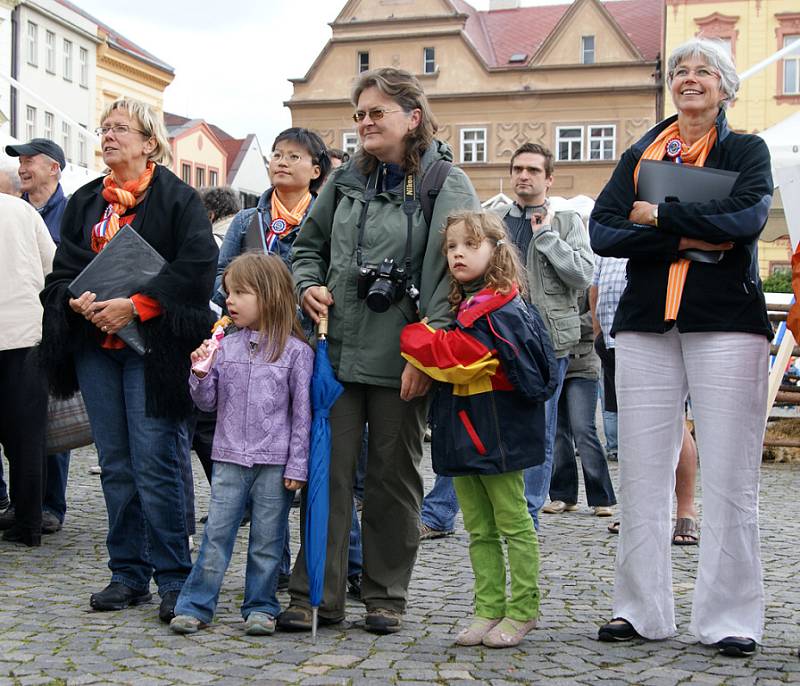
<point x="166" y="610"/>
<point x="259" y="624"/>
<point x="381" y="620"/>
<point x="508" y="633"/>
<point x="427" y="533"/>
<point x="603" y="511"/>
<point x="117" y="596"/>
<point x="186" y="624"/>
<point x="297" y="618"/>
<point x="478" y="628"/>
<point x="559" y="506"/>
<point x="50" y="523"/>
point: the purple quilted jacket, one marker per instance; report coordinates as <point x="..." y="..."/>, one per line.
<point x="263" y="408"/>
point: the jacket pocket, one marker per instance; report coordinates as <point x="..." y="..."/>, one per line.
<point x="470" y="429"/>
<point x="551" y="281"/>
<point x="565" y="327"/>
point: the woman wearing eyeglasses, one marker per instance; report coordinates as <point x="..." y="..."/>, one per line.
<point x="137" y="404"/>
<point x="354" y="240"/>
<point x="298" y="165"/>
<point x="696" y="327"/>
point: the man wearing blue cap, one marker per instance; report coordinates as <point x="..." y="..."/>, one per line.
<point x="41" y="162"/>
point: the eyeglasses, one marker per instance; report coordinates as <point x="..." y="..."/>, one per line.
<point x="700" y="72"/>
<point x="375" y="114"/>
<point x="118" y="130"/>
<point x="290" y="157"/>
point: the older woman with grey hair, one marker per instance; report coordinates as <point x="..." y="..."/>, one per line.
<point x="688" y="327"/>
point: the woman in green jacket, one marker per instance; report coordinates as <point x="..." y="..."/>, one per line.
<point x="366" y="239"/>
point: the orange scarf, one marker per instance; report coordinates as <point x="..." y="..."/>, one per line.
<point x="695" y="155"/>
<point x="293" y="217"/>
<point x="120" y="200"/>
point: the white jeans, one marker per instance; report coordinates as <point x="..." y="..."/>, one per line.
<point x="725" y="374"/>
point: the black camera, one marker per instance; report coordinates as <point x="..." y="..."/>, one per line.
<point x="382" y="284"/>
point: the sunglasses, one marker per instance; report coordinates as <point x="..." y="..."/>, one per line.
<point x="375" y="114"/>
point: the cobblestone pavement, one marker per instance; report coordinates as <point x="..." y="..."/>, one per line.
<point x="49" y="635"/>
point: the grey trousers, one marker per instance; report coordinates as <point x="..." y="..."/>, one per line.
<point x="392" y="499"/>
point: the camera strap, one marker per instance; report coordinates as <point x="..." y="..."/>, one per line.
<point x="369" y="194"/>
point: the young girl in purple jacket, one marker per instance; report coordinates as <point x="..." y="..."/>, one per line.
<point x="259" y="384"/>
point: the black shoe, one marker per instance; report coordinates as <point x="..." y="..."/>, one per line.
<point x="736" y="646"/>
<point x="354" y="586"/>
<point x="117" y="596"/>
<point x="20" y="534"/>
<point x="8" y="518"/>
<point x="166" y="611"/>
<point x="381" y="620"/>
<point x="203" y="519"/>
<point x="283" y="582"/>
<point x="50" y="523"/>
<point x="618" y="629"/>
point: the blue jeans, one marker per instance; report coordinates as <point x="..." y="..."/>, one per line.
<point x="140" y="457"/>
<point x="537" y="479"/>
<point x="576" y="426"/>
<point x="440" y="506"/>
<point x="54" y="498"/>
<point x="232" y="486"/>
<point x="355" y="558"/>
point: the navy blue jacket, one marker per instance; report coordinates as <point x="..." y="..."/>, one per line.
<point x="52" y="212"/>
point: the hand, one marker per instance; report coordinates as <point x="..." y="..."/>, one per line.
<point x="293" y="484"/>
<point x="112" y="315"/>
<point x="538" y="221"/>
<point x="642" y="213"/>
<point x="316" y="301"/>
<point x="413" y="383"/>
<point x="200" y="354"/>
<point x="697" y="244"/>
<point x="83" y="305"/>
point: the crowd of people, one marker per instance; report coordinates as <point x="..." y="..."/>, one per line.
<point x="496" y="330"/>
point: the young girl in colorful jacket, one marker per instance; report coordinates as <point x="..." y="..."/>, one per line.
<point x="497" y="368"/>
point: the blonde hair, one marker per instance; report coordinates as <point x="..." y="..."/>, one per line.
<point x="405" y="89"/>
<point x="505" y="269"/>
<point x="149" y="122"/>
<point x="268" y="277"/>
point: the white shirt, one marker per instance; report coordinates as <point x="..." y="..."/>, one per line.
<point x="26" y="257"/>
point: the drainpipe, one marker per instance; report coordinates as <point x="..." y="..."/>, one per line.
<point x="14" y="69"/>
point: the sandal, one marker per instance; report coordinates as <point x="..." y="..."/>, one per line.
<point x="508" y="633"/>
<point x="685" y="532"/>
<point x="613" y="528"/>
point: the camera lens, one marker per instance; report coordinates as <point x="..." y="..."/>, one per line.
<point x="380" y="295"/>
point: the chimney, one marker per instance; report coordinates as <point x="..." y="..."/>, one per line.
<point x="503" y="5"/>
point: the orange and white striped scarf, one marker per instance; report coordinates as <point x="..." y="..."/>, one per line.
<point x="696" y="155"/>
<point x="120" y="200"/>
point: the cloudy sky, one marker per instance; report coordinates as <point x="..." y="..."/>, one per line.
<point x="232" y="59"/>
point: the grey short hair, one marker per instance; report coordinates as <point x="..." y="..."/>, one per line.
<point x="716" y="56"/>
<point x="149" y="121"/>
<point x="10" y="168"/>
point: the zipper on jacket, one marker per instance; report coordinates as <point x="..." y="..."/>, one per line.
<point x="499" y="437"/>
<point x="746" y="289"/>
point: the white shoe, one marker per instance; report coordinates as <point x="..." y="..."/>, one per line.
<point x="603" y="511"/>
<point x="559" y="506"/>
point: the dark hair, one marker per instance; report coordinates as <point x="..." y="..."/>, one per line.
<point x="220" y="201"/>
<point x="314" y="146"/>
<point x="405" y="89"/>
<point x="338" y="154"/>
<point x="536" y="149"/>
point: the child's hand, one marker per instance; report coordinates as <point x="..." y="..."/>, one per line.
<point x="293" y="484"/>
<point x="200" y="354"/>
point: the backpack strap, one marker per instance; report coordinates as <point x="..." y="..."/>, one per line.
<point x="431" y="185"/>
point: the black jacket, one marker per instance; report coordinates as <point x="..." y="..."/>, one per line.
<point x="725" y="296"/>
<point x="172" y="219"/>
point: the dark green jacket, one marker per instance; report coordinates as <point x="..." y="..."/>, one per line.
<point x="364" y="346"/>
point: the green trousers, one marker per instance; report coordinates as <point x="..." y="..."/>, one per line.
<point x="494" y="508"/>
<point x="392" y="499"/>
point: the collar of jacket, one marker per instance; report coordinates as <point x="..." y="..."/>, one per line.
<point x="469" y="316"/>
<point x="640" y="146"/>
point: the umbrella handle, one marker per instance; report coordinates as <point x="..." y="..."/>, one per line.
<point x="322" y="326"/>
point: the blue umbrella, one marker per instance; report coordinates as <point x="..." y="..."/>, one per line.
<point x="325" y="391"/>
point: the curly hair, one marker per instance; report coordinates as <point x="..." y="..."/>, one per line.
<point x="219" y="201"/>
<point x="505" y="267"/>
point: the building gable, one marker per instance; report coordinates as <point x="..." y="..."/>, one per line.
<point x="382" y="10"/>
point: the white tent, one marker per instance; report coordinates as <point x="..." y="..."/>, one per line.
<point x="783" y="140"/>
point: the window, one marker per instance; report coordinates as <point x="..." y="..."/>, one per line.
<point x="350" y="143"/>
<point x="50" y="52"/>
<point x="791" y="68"/>
<point x="473" y="145"/>
<point x="83" y="60"/>
<point x="199" y="177"/>
<point x="213" y="177"/>
<point x="363" y="61"/>
<point x="82" y="146"/>
<point x="30" y="122"/>
<point x="186" y="173"/>
<point x="601" y="142"/>
<point x="66" y="140"/>
<point x="49" y="125"/>
<point x="33" y="44"/>
<point x="67" y="60"/>
<point x="428" y="61"/>
<point x="587" y="49"/>
<point x="569" y="143"/>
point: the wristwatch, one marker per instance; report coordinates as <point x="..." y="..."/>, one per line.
<point x="655" y="216"/>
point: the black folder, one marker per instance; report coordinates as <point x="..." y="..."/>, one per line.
<point x="124" y="267"/>
<point x="662" y="181"/>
